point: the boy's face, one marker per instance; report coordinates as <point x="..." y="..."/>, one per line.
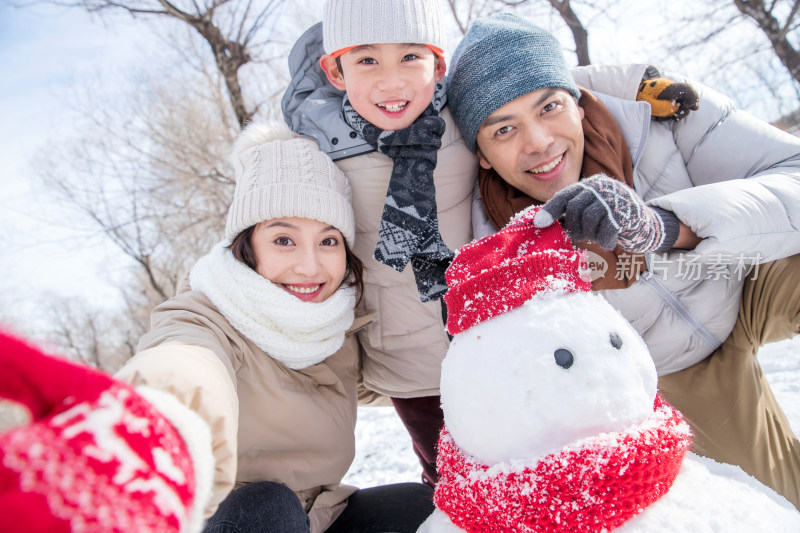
<point x="390" y="85"/>
<point x="535" y="142"/>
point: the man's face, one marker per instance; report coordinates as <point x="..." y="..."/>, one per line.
<point x="535" y="142"/>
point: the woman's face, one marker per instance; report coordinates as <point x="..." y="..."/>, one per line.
<point x="306" y="258"/>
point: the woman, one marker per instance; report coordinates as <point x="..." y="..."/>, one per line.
<point x="260" y="344"/>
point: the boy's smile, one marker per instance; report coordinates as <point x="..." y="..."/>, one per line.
<point x="393" y="111"/>
<point x="394" y="108"/>
<point x="390" y="85"/>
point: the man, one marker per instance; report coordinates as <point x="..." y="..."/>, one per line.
<point x="691" y="223"/>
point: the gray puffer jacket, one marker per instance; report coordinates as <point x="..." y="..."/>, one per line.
<point x="732" y="178"/>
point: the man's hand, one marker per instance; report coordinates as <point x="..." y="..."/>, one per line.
<point x="94" y="455"/>
<point x="610" y="213"/>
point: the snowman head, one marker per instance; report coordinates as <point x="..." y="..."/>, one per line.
<point x="537" y="361"/>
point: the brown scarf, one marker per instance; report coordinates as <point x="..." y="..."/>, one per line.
<point x="605" y="151"/>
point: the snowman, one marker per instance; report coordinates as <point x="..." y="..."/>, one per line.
<point x="552" y="421"/>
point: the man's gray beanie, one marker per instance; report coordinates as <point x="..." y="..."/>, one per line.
<point x="500" y="59"/>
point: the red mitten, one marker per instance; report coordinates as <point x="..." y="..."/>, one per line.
<point x="96" y="456"/>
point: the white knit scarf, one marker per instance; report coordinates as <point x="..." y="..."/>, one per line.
<point x="296" y="333"/>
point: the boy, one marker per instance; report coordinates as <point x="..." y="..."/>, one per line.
<point x="412" y="179"/>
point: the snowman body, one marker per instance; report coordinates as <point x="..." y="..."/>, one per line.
<point x="566" y="370"/>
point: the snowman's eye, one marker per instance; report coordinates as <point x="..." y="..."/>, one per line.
<point x="564" y="358"/>
<point x="616" y="341"/>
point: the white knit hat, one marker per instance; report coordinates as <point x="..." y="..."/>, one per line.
<point x="281" y="176"/>
<point x="348" y="23"/>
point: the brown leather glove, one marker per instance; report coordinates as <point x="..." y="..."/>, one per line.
<point x="669" y="100"/>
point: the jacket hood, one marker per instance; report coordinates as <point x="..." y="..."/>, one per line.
<point x="312" y="106"/>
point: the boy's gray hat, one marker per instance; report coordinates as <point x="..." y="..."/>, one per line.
<point x="347" y="23"/>
<point x="500" y="59"/>
<point x="279" y="175"/>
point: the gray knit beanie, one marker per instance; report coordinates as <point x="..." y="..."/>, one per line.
<point x="500" y="59"/>
<point x="281" y="176"/>
<point x="347" y="23"/>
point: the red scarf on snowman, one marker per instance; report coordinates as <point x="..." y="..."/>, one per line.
<point x="593" y="485"/>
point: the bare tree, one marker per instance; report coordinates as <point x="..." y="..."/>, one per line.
<point x="579" y="32"/>
<point x="152" y="177"/>
<point x="746" y="48"/>
<point x="234" y="30"/>
<point x="464" y="12"/>
<point x="741" y="47"/>
<point x="73" y="327"/>
<point x="147" y="174"/>
<point x="78" y="330"/>
<point x="777" y="32"/>
<point x="148" y="170"/>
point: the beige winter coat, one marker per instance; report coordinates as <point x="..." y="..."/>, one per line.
<point x="268" y="422"/>
<point x="405" y="343"/>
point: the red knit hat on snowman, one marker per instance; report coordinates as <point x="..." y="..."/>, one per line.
<point x="589" y="487"/>
<point x="502" y="271"/>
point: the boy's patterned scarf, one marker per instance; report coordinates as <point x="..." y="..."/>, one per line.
<point x="409" y="228"/>
<point x="592" y="485"/>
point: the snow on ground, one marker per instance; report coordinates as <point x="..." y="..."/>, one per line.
<point x="383" y="448"/>
<point x="781" y="364"/>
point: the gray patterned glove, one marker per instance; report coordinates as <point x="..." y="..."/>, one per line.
<point x="610" y="213"/>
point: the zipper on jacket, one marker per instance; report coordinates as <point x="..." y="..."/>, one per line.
<point x="673" y="302"/>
